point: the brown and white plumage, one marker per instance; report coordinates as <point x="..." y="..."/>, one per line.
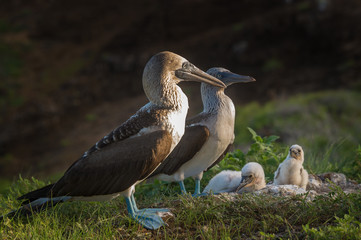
<point x="291" y="170"/>
<point x="132" y="151"/>
<point x="208" y="135"/>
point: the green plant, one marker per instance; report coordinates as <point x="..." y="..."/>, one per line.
<point x="263" y="150"/>
<point x="345" y="228"/>
<point x="356" y="169"/>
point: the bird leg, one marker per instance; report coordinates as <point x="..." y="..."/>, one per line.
<point x="182" y="187"/>
<point x="197" y="189"/>
<point x="148" y="220"/>
<point x="148" y="210"/>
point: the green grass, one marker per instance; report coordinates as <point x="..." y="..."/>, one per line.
<point x="325" y="124"/>
<point x="335" y="215"/>
<point x="246" y="216"/>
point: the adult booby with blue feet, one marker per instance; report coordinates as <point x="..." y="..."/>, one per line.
<point x="132" y="151"/>
<point x="208" y="136"/>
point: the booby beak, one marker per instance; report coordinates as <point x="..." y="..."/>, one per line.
<point x="189" y="72"/>
<point x="245" y="181"/>
<point x="295" y="153"/>
<point x="229" y="78"/>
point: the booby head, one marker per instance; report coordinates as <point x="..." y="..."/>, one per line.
<point x="164" y="70"/>
<point x="213" y="97"/>
<point x="252" y="178"/>
<point x="296" y="152"/>
<point x="228" y="77"/>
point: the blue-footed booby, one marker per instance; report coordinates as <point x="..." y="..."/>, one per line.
<point x="132" y="151"/>
<point x="291" y="170"/>
<point x="252" y="178"/>
<point x="208" y="135"/>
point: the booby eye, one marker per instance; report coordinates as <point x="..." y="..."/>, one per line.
<point x="219" y="76"/>
<point x="186" y="65"/>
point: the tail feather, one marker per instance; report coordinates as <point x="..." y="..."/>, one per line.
<point x="43" y="192"/>
<point x="36" y="206"/>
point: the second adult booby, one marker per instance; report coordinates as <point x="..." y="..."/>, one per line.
<point x="208" y="135"/>
<point x="131" y="152"/>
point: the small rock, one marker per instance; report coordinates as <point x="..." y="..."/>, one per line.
<point x="281" y="190"/>
<point x="314" y="182"/>
<point x="337" y="178"/>
<point x="286" y="191"/>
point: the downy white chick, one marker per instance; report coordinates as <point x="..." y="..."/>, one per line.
<point x="291" y="170"/>
<point x="252" y="178"/>
<point x="225" y="181"/>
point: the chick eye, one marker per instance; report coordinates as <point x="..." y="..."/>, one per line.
<point x="219" y="76"/>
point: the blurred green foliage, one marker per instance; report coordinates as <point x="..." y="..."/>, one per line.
<point x="238" y="26"/>
<point x="10" y="69"/>
<point x="304" y="5"/>
<point x="10" y="61"/>
<point x="272" y="64"/>
<point x="91" y="117"/>
<point x="325" y="124"/>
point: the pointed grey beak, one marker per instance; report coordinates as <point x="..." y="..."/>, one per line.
<point x="244" y="182"/>
<point x="189" y="72"/>
<point x="229" y="78"/>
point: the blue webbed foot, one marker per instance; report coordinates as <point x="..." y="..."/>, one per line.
<point x="154" y="210"/>
<point x="146" y="217"/>
<point x="148" y="220"/>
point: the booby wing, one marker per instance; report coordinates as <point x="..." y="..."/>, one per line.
<point x="198" y="119"/>
<point x="145" y="117"/>
<point x="277" y="173"/>
<point x="116" y="167"/>
<point x="229" y="147"/>
<point x="108" y="171"/>
<point x="192" y="141"/>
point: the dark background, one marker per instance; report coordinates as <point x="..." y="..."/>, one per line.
<point x="70" y="71"/>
